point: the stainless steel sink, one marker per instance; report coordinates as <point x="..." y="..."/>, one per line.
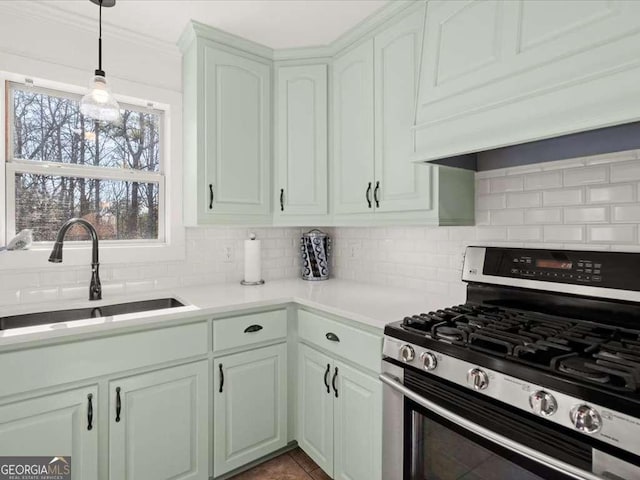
<point x="58" y="316"/>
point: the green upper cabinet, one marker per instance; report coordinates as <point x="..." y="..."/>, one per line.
<point x="227" y="133"/>
<point x="300" y="186"/>
<point x="353" y="173"/>
<point x="61" y="424"/>
<point x="159" y="425"/>
<point x="374" y="181"/>
<point x="250" y="406"/>
<point x="400" y="185"/>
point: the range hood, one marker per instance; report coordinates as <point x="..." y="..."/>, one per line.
<point x="593" y="142"/>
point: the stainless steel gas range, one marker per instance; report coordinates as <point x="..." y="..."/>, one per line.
<point x="536" y="376"/>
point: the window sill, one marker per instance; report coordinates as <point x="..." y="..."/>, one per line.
<point x="76" y="255"/>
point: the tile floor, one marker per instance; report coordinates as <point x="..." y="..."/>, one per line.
<point x="293" y="465"/>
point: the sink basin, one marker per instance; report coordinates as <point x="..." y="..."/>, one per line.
<point x="57" y="316"/>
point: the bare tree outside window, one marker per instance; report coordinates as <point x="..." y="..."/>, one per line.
<point x="63" y="165"/>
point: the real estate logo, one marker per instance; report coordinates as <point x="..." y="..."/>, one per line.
<point x="35" y="468"/>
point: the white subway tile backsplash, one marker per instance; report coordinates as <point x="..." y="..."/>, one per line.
<point x="626" y="213"/>
<point x="612" y="233"/>
<point x="563" y="233"/>
<point x="585" y="176"/>
<point x="507" y="217"/>
<point x="505" y="184"/>
<point x="491" y="202"/>
<point x="543" y="215"/>
<point x="586" y="214"/>
<point x="565" y="196"/>
<point x="539" y="181"/>
<point x="525" y="234"/>
<point x="524" y="200"/>
<point x="625" y="171"/>
<point x="611" y="194"/>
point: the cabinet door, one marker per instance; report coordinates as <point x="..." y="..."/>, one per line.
<point x="357" y="426"/>
<point x="236" y="91"/>
<point x="250" y="406"/>
<point x="159" y="425"/>
<point x="315" y="407"/>
<point x="400" y="184"/>
<point x="301" y="141"/>
<point x="54" y="426"/>
<point x="353" y="130"/>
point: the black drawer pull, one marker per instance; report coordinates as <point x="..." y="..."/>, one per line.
<point x="375" y="194"/>
<point x="367" y="195"/>
<point x="210" y="196"/>
<point x="332" y="337"/>
<point x="333" y="382"/>
<point x="221" y="378"/>
<point x="282" y="199"/>
<point x="90" y="412"/>
<point x="326" y="378"/>
<point x="253" y="328"/>
<point x="118" y="404"/>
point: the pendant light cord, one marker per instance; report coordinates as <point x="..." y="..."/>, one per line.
<point x="99" y="71"/>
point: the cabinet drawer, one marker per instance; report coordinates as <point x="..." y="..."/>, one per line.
<point x="42" y="367"/>
<point x="361" y="347"/>
<point x="249" y="329"/>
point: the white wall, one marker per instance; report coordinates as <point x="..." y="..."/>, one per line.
<point x="587" y="203"/>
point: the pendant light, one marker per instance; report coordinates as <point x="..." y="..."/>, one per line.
<point x="99" y="103"/>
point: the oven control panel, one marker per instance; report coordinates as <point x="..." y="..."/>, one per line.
<point x="606" y="425"/>
<point x="576" y="272"/>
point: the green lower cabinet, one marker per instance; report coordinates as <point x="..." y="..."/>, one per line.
<point x="55" y="425"/>
<point x="315" y="406"/>
<point x="357" y="432"/>
<point x="159" y="425"/>
<point x="339" y="417"/>
<point x="250" y="406"/>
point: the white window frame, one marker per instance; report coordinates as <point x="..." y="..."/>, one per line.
<point x="39" y="167"/>
<point x="170" y="245"/>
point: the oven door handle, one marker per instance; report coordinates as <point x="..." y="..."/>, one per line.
<point x="496" y="438"/>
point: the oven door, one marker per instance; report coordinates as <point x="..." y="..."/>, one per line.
<point x="437" y="430"/>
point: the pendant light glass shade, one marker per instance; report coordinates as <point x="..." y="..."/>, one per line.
<point x="99" y="103"/>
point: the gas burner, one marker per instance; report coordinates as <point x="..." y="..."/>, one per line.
<point x="449" y="334"/>
<point x="579" y="367"/>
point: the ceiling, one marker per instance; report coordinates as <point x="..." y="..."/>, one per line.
<point x="274" y="23"/>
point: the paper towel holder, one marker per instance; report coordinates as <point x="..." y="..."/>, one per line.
<point x="259" y="282"/>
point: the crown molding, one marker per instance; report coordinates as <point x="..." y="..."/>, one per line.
<point x="200" y="30"/>
<point x="322" y="52"/>
<point x="47" y="10"/>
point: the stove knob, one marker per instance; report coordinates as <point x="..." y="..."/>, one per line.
<point x="543" y="403"/>
<point x="406" y="353"/>
<point x="429" y="361"/>
<point x="478" y="379"/>
<point x="586" y="419"/>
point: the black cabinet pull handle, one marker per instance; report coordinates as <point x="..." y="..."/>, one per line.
<point x="90" y="412"/>
<point x="118" y="404"/>
<point x="282" y="199"/>
<point x="221" y="378"/>
<point x="253" y="328"/>
<point x="333" y="382"/>
<point x="210" y="196"/>
<point x="375" y="194"/>
<point x="368" y="195"/>
<point x="332" y="337"/>
<point x="326" y="378"/>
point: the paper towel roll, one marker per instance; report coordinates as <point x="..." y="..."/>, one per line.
<point x="252" y="260"/>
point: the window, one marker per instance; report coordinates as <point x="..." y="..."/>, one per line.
<point x="61" y="165"/>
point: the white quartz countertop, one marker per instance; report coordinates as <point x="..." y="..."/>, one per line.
<point x="370" y="305"/>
